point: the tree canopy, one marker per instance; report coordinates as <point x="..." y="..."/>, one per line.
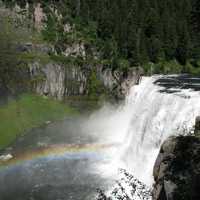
<point x="139" y="31"/>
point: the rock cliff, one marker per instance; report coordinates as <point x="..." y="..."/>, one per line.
<point x="60" y="81"/>
<point x="53" y="77"/>
<point x="177" y="168"/>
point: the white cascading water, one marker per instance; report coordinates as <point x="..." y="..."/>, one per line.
<point x="154" y="117"/>
<point x="138" y="128"/>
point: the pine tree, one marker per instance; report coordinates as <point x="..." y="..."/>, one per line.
<point x="195" y="29"/>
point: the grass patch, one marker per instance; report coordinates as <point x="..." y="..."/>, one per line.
<point x="163" y="67"/>
<point x="193" y="69"/>
<point x="45" y="59"/>
<point x="36" y="38"/>
<point x="31" y="57"/>
<point x="67" y="60"/>
<point x="61" y="59"/>
<point x="29" y="111"/>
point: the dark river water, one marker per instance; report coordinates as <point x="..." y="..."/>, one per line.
<point x="59" y="161"/>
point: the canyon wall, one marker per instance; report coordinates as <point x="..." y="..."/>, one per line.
<point x="60" y="81"/>
<point x="53" y="77"/>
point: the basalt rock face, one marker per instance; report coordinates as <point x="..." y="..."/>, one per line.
<point x="57" y="78"/>
<point x="127" y="80"/>
<point x="177" y="168"/>
<point x="57" y="81"/>
<point x="197" y="126"/>
<point x="118" y="82"/>
<point x="48" y="79"/>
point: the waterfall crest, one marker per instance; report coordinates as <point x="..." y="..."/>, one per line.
<point x="152" y="112"/>
<point x="155" y="115"/>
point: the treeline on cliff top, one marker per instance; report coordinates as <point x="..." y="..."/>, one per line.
<point x="134" y="32"/>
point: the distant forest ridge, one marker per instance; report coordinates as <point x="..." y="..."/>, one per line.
<point x="136" y="31"/>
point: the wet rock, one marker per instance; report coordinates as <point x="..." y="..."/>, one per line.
<point x="42" y="144"/>
<point x="6" y="157"/>
<point x="169" y="188"/>
<point x="106" y="77"/>
<point x="164" y="158"/>
<point x="169" y="145"/>
<point x="132" y="77"/>
<point x="177" y="169"/>
<point x="197" y="126"/>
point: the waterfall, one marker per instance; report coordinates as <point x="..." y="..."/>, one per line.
<point x="139" y="126"/>
<point x="155" y="115"/>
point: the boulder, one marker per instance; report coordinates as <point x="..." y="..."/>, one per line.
<point x="119" y="82"/>
<point x="164" y="157"/>
<point x="6" y="157"/>
<point x="169" y="188"/>
<point x="197" y="126"/>
<point x="177" y="168"/>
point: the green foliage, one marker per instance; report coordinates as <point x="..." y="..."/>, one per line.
<point x="163" y="67"/>
<point x="27" y="112"/>
<point x="141" y="30"/>
<point x="122" y="64"/>
<point x="67" y="61"/>
<point x="192" y="69"/>
<point x="135" y="31"/>
<point x="45" y="59"/>
<point x="61" y="59"/>
<point x="53" y="29"/>
<point x="86" y="32"/>
<point x="31" y="57"/>
<point x="9" y="61"/>
<point x="95" y="87"/>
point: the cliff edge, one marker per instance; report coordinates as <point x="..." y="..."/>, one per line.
<point x="177" y="168"/>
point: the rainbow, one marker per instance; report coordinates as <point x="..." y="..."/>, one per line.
<point x="55" y="150"/>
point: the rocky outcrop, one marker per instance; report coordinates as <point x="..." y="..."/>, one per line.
<point x="197" y="126"/>
<point x="4" y="158"/>
<point x="127" y="80"/>
<point x="56" y="80"/>
<point x="76" y="79"/>
<point x="39" y="17"/>
<point x="75" y="50"/>
<point x="48" y="79"/>
<point x="35" y="48"/>
<point x="177" y="168"/>
<point x="71" y="77"/>
<point x="118" y="82"/>
<point x="59" y="81"/>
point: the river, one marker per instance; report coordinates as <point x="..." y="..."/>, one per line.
<point x="70" y="159"/>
